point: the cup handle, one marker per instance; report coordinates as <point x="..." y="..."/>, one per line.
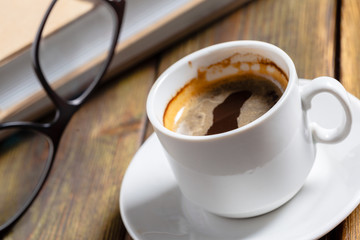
<point x="332" y="86"/>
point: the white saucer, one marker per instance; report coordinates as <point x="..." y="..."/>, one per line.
<point x="153" y="208"/>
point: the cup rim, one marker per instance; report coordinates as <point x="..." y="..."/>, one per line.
<point x="292" y="76"/>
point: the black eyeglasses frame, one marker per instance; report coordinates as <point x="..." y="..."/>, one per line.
<point x="65" y="109"/>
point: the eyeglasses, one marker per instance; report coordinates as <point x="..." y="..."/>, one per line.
<point x="27" y="149"/>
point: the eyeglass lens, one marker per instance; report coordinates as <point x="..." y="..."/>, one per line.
<point x="23" y="159"/>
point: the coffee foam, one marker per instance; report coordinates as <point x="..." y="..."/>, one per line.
<point x="199" y="116"/>
<point x="191" y="100"/>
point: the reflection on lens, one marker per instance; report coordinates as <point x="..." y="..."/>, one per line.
<point x="72" y="56"/>
<point x="23" y="157"/>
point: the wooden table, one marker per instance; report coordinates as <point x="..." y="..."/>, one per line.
<point x="80" y="199"/>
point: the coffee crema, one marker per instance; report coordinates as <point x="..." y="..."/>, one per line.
<point x="206" y="107"/>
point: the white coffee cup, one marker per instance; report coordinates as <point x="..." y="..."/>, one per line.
<point x="256" y="168"/>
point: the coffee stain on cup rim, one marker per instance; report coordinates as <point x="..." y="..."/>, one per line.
<point x="190" y="64"/>
<point x="235" y="65"/>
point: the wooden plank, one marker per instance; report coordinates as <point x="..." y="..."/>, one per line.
<point x="350" y="47"/>
<point x="303" y="29"/>
<point x="350" y="78"/>
<point x="80" y="197"/>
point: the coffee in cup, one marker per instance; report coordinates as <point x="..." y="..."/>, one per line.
<point x="206" y="107"/>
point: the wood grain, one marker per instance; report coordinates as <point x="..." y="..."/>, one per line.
<point x="350" y="47"/>
<point x="303" y="29"/>
<point x="350" y="78"/>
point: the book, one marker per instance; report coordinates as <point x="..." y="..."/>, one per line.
<point x="75" y="43"/>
